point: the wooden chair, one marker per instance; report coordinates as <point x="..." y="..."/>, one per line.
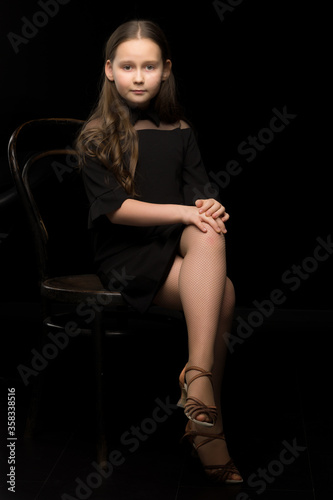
<point x="42" y="161"/>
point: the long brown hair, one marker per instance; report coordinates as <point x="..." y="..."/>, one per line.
<point x="108" y="134"/>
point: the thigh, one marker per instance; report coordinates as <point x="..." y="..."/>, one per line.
<point x="168" y="295"/>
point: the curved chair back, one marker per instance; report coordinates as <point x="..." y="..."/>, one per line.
<point x="41" y="158"/>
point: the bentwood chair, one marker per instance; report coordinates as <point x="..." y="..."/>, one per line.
<point x="44" y="169"/>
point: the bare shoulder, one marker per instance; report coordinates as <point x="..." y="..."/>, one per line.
<point x="184" y="124"/>
<point x="94" y="123"/>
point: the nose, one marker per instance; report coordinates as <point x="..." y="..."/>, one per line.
<point x="138" y="77"/>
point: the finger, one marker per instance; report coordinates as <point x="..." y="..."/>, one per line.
<point x="212" y="207"/>
<point x="199" y="203"/>
<point x="205" y="205"/>
<point x="217" y="211"/>
<point x="200" y="224"/>
<point x="221" y="225"/>
<point x="218" y="226"/>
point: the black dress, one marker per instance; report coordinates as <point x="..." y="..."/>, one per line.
<point x="136" y="260"/>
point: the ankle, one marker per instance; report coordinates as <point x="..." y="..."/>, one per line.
<point x="217" y="428"/>
<point x="200" y="403"/>
<point x="193" y="370"/>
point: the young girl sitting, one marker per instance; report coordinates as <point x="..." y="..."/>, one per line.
<point x="155" y="241"/>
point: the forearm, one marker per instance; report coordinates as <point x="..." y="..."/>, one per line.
<point x="140" y="213"/>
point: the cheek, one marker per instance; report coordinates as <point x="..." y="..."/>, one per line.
<point x="122" y="81"/>
<point x="155" y="81"/>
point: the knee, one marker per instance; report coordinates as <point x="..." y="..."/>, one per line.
<point x="212" y="239"/>
<point x="195" y="240"/>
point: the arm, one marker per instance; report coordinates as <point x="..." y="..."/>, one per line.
<point x="106" y="197"/>
<point x="140" y="213"/>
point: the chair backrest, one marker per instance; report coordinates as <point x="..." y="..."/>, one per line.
<point x="44" y="168"/>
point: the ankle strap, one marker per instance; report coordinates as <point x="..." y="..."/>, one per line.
<point x="202" y="373"/>
<point x="209" y="437"/>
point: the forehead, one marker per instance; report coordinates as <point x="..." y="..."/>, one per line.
<point x="138" y="49"/>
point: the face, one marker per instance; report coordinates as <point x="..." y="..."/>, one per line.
<point x="138" y="71"/>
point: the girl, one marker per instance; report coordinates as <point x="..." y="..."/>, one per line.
<point x="154" y="240"/>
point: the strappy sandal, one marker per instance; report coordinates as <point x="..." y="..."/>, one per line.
<point x="193" y="406"/>
<point x="215" y="473"/>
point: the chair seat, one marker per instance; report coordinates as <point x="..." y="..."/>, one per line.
<point x="77" y="288"/>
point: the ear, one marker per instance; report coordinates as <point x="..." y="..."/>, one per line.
<point x="109" y="71"/>
<point x="166" y="70"/>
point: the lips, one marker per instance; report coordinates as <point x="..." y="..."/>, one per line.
<point x="138" y="92"/>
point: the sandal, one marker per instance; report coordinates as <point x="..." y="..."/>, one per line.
<point x="193" y="406"/>
<point x="216" y="473"/>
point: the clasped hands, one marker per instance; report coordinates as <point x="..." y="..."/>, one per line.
<point x="209" y="212"/>
<point x="213" y="213"/>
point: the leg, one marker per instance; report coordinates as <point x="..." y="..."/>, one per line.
<point x="196" y="284"/>
<point x="209" y="296"/>
<point x="202" y="282"/>
<point x="216" y="451"/>
<point x="168" y="295"/>
<point x="220" y="350"/>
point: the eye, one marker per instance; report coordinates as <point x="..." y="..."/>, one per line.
<point x="127" y="67"/>
<point x="149" y="67"/>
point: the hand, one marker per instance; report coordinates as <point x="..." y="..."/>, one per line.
<point x="192" y="215"/>
<point x="212" y="208"/>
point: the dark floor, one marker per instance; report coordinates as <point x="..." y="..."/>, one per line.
<point x="276" y="398"/>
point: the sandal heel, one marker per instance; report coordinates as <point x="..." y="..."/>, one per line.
<point x="183" y="395"/>
<point x="183" y="389"/>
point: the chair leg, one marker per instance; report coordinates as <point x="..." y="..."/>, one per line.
<point x="31" y="422"/>
<point x="98" y="335"/>
<point x="34" y="406"/>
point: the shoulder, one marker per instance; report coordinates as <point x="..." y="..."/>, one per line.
<point x="95" y="123"/>
<point x="179" y="124"/>
<point x="183" y="124"/>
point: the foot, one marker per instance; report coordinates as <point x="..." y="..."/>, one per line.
<point x="213" y="452"/>
<point x="200" y="389"/>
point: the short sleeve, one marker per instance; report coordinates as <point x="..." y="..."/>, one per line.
<point x="196" y="183"/>
<point x="104" y="192"/>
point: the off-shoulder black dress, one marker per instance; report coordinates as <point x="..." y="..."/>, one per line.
<point x="132" y="259"/>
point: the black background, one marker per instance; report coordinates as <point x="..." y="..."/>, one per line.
<point x="231" y="74"/>
<point x="232" y="71"/>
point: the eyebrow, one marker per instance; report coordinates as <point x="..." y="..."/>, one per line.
<point x="129" y="61"/>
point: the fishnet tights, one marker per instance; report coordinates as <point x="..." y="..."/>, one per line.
<point x="198" y="285"/>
